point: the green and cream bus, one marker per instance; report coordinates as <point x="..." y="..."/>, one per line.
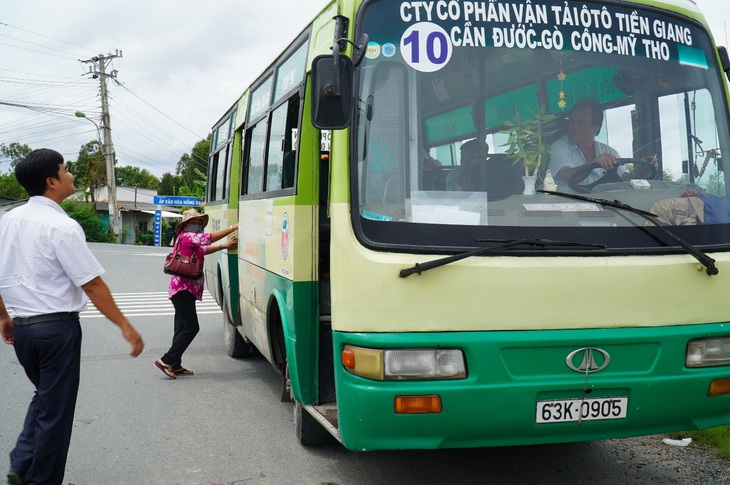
<point x="411" y="302"/>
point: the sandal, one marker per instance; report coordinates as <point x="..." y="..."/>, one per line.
<point x="165" y="369"/>
<point x="182" y="371"/>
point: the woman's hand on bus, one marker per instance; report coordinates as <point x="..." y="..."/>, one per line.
<point x="232" y="243"/>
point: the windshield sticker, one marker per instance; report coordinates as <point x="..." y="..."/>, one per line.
<point x="388" y="50"/>
<point x="373" y="50"/>
<point x="376" y="217"/>
<point x="564" y="207"/>
<point x="285" y="236"/>
<point x="436" y="27"/>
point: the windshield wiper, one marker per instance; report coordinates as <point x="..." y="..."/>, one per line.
<point x="506" y="243"/>
<point x="703" y="258"/>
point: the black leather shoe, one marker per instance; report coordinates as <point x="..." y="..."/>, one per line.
<point x="15" y="478"/>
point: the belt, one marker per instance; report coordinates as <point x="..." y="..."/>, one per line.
<point x="49" y="317"/>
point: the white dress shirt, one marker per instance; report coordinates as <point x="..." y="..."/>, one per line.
<point x="45" y="260"/>
<point x="565" y="153"/>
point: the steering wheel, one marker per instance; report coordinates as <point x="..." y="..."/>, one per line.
<point x="610" y="176"/>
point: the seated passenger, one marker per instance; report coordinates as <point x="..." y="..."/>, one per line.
<point x="467" y="175"/>
<point x="580" y="148"/>
<point x="428" y="163"/>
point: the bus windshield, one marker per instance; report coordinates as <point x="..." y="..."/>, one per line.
<point x="468" y="111"/>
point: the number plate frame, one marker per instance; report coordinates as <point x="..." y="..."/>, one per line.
<point x="593" y="408"/>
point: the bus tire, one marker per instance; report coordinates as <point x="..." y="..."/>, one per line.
<point x="236" y="345"/>
<point x="308" y="430"/>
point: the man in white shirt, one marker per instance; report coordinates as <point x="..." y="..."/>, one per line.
<point x="46" y="277"/>
<point x="580" y="148"/>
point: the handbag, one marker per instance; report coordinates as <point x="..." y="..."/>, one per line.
<point x="185" y="266"/>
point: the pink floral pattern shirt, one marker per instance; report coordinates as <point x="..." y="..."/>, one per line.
<point x="190" y="243"/>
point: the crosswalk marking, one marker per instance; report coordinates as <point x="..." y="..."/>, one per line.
<point x="154" y="303"/>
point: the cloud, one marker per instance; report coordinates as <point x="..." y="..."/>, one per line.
<point x="188" y="61"/>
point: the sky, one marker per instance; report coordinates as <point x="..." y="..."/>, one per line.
<point x="183" y="63"/>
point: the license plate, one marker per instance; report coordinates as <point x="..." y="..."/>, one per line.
<point x="584" y="409"/>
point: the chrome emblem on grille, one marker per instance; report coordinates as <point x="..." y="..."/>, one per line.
<point x="588" y="360"/>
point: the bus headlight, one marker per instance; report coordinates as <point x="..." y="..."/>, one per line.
<point x="708" y="352"/>
<point x="404" y="364"/>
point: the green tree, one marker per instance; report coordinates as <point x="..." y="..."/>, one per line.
<point x="15" y="152"/>
<point x="169" y="185"/>
<point x="10" y="188"/>
<point x="89" y="169"/>
<point x="193" y="169"/>
<point x="85" y="215"/>
<point x="129" y="176"/>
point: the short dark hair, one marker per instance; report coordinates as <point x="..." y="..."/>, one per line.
<point x="594" y="106"/>
<point x="473" y="145"/>
<point x="33" y="171"/>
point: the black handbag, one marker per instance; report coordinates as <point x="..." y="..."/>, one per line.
<point x="185" y="266"/>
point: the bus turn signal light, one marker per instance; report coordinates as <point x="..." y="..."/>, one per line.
<point x="348" y="358"/>
<point x="417" y="405"/>
<point x="719" y="387"/>
<point x="363" y="362"/>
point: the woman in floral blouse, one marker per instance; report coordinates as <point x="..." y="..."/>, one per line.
<point x="185" y="291"/>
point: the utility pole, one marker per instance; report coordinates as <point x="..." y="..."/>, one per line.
<point x="98" y="70"/>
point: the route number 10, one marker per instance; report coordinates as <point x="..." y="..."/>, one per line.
<point x="426" y="47"/>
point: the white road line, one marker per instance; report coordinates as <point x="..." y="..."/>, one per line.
<point x="153" y="303"/>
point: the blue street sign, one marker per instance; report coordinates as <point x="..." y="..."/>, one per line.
<point x="177" y="200"/>
<point x="158" y="227"/>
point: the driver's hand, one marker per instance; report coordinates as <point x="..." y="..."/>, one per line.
<point x="605" y="160"/>
<point x="643" y="171"/>
<point x="653" y="159"/>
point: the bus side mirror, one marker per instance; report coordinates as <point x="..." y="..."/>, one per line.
<point x="724" y="60"/>
<point x="331" y="92"/>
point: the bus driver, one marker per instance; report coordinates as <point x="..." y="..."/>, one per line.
<point x="580" y="148"/>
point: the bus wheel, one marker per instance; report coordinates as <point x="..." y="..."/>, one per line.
<point x="236" y="345"/>
<point x="308" y="429"/>
<point x="286" y="394"/>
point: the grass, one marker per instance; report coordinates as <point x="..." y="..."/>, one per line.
<point x="715" y="438"/>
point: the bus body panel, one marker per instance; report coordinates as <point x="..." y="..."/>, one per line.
<point x="509" y="372"/>
<point x="579" y="292"/>
<point x="268" y="238"/>
<point x="295" y="304"/>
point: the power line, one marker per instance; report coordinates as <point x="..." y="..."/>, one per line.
<point x="34" y="44"/>
<point x="163" y="114"/>
<point x="47" y="37"/>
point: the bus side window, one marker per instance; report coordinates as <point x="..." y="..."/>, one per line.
<point x="255" y="166"/>
<point x="275" y="162"/>
<point x="221" y="180"/>
<point x="212" y="173"/>
<point x="281" y="166"/>
<point x="385" y="164"/>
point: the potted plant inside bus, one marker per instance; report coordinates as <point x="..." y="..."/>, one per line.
<point x="527" y="144"/>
